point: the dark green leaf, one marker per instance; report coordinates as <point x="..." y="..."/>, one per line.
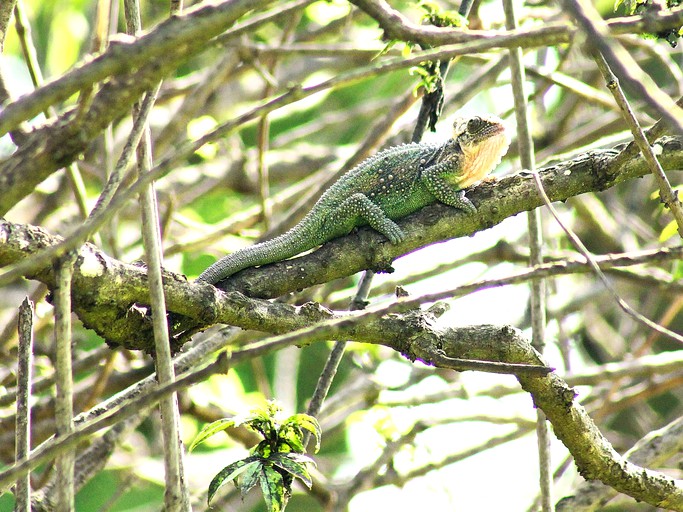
<point x="263" y="449"/>
<point x="295" y="464"/>
<point x="249" y="478"/>
<point x="273" y="487"/>
<point x="231" y="472"/>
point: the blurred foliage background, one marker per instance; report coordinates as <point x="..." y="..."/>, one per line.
<point x="471" y="428"/>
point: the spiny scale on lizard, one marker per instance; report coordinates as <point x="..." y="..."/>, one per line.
<point x="388" y="186"/>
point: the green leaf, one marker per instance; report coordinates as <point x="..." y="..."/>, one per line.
<point x="273" y="487"/>
<point x="211" y="429"/>
<point x="230" y="472"/>
<point x="263" y="449"/>
<point x="263" y="419"/>
<point x="295" y="464"/>
<point x="429" y="74"/>
<point x="306" y="422"/>
<point x="434" y="15"/>
<point x="250" y="477"/>
<point x="290" y="440"/>
<point x="677" y="269"/>
<point x="390" y="44"/>
<point x="670" y="230"/>
<point x="630" y="5"/>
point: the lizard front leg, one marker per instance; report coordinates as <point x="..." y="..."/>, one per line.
<point x="445" y="192"/>
<point x="357" y="208"/>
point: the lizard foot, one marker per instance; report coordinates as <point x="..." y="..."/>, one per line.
<point x="391" y="230"/>
<point x="463" y="203"/>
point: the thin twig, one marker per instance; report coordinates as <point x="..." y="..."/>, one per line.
<point x="666" y="193"/>
<point x="175" y="39"/>
<point x="102" y="211"/>
<point x="400" y="479"/>
<point x="549" y="392"/>
<point x="64" y="380"/>
<point x="176" y="493"/>
<point x="263" y="125"/>
<point x="23" y="29"/>
<point x="334" y="358"/>
<point x="590" y="259"/>
<point x="535" y="228"/>
<point x="6" y="9"/>
<point x="360" y="299"/>
<point x="22" y="447"/>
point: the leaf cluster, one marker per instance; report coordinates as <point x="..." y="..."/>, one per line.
<point x="435" y="15"/>
<point x="429" y="72"/>
<point x="274" y="462"/>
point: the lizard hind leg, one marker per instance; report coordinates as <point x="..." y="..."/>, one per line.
<point x="357" y="209"/>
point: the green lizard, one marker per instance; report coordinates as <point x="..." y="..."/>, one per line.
<point x="392" y="184"/>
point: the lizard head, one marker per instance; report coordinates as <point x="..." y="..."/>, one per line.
<point x="483" y="141"/>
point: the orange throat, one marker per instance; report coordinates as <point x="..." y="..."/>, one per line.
<point x="480" y="158"/>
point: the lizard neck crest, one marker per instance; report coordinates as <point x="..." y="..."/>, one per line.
<point x="483" y="141"/>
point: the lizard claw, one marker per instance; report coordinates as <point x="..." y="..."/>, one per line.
<point x="464" y="203"/>
<point x="394" y="233"/>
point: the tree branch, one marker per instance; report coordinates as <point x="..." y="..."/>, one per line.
<point x="495" y="200"/>
<point x="107" y="293"/>
<point x="172" y="41"/>
<point x="414" y="336"/>
<point x="125" y="65"/>
<point x="398" y="27"/>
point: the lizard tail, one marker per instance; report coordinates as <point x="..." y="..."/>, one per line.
<point x="295" y="241"/>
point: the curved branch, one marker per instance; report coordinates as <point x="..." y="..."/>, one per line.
<point x="413" y="335"/>
<point x="595" y="457"/>
<point x="654" y="449"/>
<point x="60" y="142"/>
<point x="125" y="63"/>
<point x="133" y="67"/>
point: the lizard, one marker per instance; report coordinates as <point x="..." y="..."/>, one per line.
<point x="387" y="186"/>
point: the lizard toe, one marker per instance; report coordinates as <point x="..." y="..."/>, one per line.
<point x="395" y="234"/>
<point x="465" y="204"/>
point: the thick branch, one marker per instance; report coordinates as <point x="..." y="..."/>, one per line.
<point x="414" y="335"/>
<point x="495" y="201"/>
<point x="59" y="143"/>
<point x="105" y="290"/>
<point x="155" y="54"/>
<point x="655" y="449"/>
<point x="56" y="145"/>
<point x="172" y="41"/>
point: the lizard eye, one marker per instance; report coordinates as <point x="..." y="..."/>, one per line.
<point x="475" y="124"/>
